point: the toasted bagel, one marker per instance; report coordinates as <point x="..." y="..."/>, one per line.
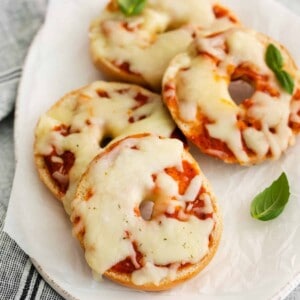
<point x="138" y="49"/>
<point x="196" y="91"/>
<point x="79" y="126"/>
<point x="177" y="239"/>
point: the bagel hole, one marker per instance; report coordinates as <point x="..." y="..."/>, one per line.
<point x="105" y="141"/>
<point x="240" y="90"/>
<point x="146" y="209"/>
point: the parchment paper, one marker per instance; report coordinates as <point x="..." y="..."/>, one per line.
<point x="255" y="259"/>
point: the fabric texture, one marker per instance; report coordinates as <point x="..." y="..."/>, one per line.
<point x="19" y="22"/>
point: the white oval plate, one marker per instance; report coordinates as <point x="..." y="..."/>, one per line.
<point x="256" y="260"/>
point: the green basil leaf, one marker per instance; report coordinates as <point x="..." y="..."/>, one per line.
<point x="270" y="203"/>
<point x="131" y="7"/>
<point x="274" y="61"/>
<point x="285" y="80"/>
<point x="274" y="58"/>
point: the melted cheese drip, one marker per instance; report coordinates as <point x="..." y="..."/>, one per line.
<point x="107" y="117"/>
<point x="110" y="211"/>
<point x="256" y="141"/>
<point x="150" y="48"/>
<point x="207" y="203"/>
<point x="245" y="46"/>
<point x="274" y="116"/>
<point x="193" y="189"/>
<point x="204" y="87"/>
<point x="212" y="97"/>
<point x="149" y="273"/>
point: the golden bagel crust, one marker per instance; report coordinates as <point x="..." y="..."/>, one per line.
<point x="138" y="49"/>
<point x="39" y="160"/>
<point x="248" y="133"/>
<point x="81" y="231"/>
<point x="76" y="128"/>
<point x="114" y="73"/>
<point x="46" y="177"/>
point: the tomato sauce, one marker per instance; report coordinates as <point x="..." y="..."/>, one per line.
<point x="68" y="159"/>
<point x="141" y="98"/>
<point x="125" y="67"/>
<point x="63" y="129"/>
<point x="260" y="81"/>
<point x="102" y="94"/>
<point x="183" y="178"/>
<point x="221" y="12"/>
<point x="206" y="142"/>
<point x="127" y="266"/>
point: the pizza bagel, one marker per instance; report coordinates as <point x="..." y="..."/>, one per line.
<point x="138" y="49"/>
<point x="180" y="233"/>
<point x="196" y="91"/>
<point x="82" y="123"/>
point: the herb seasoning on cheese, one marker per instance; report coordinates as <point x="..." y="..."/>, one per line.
<point x="182" y="232"/>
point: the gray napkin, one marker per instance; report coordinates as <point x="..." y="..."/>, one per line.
<point x="19" y="21"/>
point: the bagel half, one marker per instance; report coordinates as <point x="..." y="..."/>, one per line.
<point x="196" y="91"/>
<point x="77" y="127"/>
<point x="138" y="49"/>
<point x="179" y="237"/>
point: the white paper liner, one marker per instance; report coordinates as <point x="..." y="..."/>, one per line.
<point x="255" y="259"/>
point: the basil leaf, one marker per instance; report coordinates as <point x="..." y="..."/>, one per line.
<point x="274" y="61"/>
<point x="285" y="80"/>
<point x="270" y="203"/>
<point x="131" y="7"/>
<point x="274" y="58"/>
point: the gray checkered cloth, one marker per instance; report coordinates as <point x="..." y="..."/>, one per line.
<point x="19" y="21"/>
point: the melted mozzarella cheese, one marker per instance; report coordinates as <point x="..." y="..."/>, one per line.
<point x="154" y="37"/>
<point x="121" y="182"/>
<point x="219" y="25"/>
<point x="149" y="273"/>
<point x="203" y="87"/>
<point x="166" y="183"/>
<point x="199" y="89"/>
<point x="274" y="116"/>
<point x="207" y="208"/>
<point x="256" y="141"/>
<point x="106" y="116"/>
<point x="191" y="11"/>
<point x="193" y="189"/>
<point x="43" y="139"/>
<point x="245" y="46"/>
<point x="152" y="61"/>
